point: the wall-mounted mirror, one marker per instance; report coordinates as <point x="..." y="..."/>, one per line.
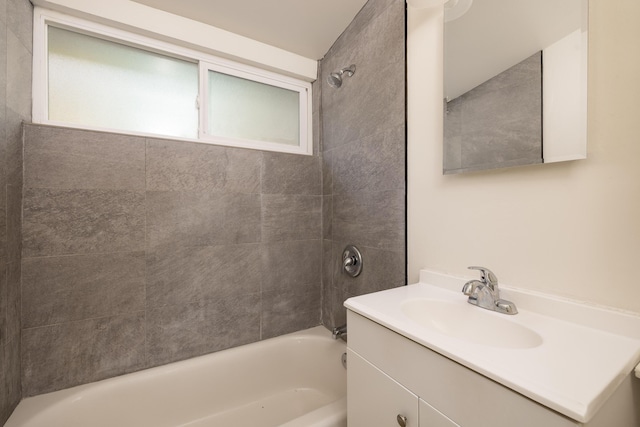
<point x="515" y="83"/>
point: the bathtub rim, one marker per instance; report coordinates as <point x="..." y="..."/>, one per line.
<point x="33" y="406"/>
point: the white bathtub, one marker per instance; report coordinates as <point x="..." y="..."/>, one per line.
<point x="295" y="380"/>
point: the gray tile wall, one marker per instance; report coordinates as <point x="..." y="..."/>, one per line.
<point x="363" y="157"/>
<point x="16" y="18"/>
<point x="139" y="252"/>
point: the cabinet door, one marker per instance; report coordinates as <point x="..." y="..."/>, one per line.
<point x="431" y="417"/>
<point x="374" y="399"/>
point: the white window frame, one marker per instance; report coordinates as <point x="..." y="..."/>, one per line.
<point x="43" y="18"/>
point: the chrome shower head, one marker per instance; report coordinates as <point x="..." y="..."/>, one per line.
<point x="335" y="79"/>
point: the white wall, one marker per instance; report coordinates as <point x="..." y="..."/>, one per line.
<point x="572" y="228"/>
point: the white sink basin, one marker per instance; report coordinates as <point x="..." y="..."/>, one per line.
<point x="467" y="322"/>
<point x="567" y="356"/>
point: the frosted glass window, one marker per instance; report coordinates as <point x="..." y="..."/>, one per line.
<point x="99" y="83"/>
<point x="245" y="109"/>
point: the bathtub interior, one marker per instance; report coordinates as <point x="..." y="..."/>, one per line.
<point x="289" y="380"/>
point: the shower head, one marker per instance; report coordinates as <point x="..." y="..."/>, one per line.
<point x="335" y="78"/>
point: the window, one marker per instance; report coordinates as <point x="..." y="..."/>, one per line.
<point x="243" y="108"/>
<point x="94" y="77"/>
<point x="103" y="84"/>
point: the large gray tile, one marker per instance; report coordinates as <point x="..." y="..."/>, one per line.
<point x="67" y="288"/>
<point x="286" y="312"/>
<point x="202" y="219"/>
<point x="374" y="98"/>
<point x="181" y="275"/>
<point x="3" y="222"/>
<point x="291" y="217"/>
<point x="376" y="163"/>
<point x="20" y="21"/>
<point x="3" y="69"/>
<point x="12" y="384"/>
<point x="328" y="263"/>
<point x="290" y="266"/>
<point x="68" y="354"/>
<point x="316" y="128"/>
<point x="327" y="172"/>
<point x="58" y="222"/>
<point x="326" y="308"/>
<point x="336" y="312"/>
<point x="182" y="166"/>
<point x="13" y="149"/>
<point x="19" y="75"/>
<point x="381" y="269"/>
<point x="3" y="12"/>
<point x="327" y="217"/>
<point x="374" y="219"/>
<point x="365" y="108"/>
<point x="14" y="223"/>
<point x="176" y="332"/>
<point x="4" y="401"/>
<point x="291" y="174"/>
<point x="13" y="303"/>
<point x="76" y="159"/>
<point x="3" y="304"/>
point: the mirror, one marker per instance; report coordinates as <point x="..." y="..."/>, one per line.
<point x="515" y="83"/>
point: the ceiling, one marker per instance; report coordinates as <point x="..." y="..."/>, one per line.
<point x="305" y="27"/>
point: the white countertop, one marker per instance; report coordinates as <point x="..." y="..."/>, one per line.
<point x="586" y="351"/>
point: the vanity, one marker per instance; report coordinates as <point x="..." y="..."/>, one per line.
<point x="420" y="355"/>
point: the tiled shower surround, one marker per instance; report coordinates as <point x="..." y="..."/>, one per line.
<point x="137" y="252"/>
<point x="363" y="152"/>
<point x="15" y="107"/>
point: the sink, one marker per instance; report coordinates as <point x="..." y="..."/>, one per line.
<point x="470" y="323"/>
<point x="568" y="356"/>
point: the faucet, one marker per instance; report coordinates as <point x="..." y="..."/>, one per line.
<point x="339" y="332"/>
<point x="485" y="293"/>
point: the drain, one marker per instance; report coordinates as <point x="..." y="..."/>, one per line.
<point x="344" y="360"/>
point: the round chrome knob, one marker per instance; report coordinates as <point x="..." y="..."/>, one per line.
<point x="352" y="261"/>
<point x="402" y="420"/>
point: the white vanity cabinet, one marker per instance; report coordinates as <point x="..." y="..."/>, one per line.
<point x="389" y="375"/>
<point x="375" y="399"/>
<point x="423" y="352"/>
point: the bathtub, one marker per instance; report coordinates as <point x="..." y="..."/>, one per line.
<point x="296" y="380"/>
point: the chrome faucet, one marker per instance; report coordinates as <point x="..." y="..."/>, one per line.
<point x="485" y="293"/>
<point x="339" y="332"/>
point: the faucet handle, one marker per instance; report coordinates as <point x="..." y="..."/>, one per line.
<point x="487" y="277"/>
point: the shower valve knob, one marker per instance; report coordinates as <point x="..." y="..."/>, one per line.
<point x="352" y="261"/>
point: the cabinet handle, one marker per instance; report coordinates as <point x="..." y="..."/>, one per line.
<point x="402" y="420"/>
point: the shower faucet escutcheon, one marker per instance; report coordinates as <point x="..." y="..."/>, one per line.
<point x="485" y="293"/>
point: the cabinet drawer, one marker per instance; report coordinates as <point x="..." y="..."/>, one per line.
<point x="374" y="399"/>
